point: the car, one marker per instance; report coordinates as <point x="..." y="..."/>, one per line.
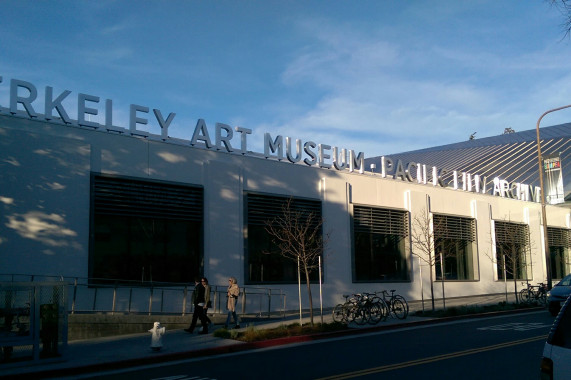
<point x="556" y="360"/>
<point x="558" y="294"/>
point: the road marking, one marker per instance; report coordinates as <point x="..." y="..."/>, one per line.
<point x="411" y="363"/>
<point x="515" y="326"/>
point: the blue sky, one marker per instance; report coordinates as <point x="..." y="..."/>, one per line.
<point x="378" y="77"/>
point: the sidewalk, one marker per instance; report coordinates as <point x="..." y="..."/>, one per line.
<point x="133" y="350"/>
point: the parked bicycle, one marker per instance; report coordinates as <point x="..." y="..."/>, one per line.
<point x="343" y="312"/>
<point x="534" y="293"/>
<point x="361" y="308"/>
<point x="375" y="308"/>
<point x="397" y="305"/>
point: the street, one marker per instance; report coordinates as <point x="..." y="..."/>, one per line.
<point x="507" y="347"/>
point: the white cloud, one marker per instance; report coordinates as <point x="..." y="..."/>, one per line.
<point x="381" y="95"/>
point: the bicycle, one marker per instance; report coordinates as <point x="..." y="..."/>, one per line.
<point x="344" y="312"/>
<point x="361" y="308"/>
<point x="375" y="307"/>
<point x="397" y="305"/>
<point x="534" y="293"/>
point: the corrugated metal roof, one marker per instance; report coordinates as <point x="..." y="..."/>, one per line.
<point x="511" y="156"/>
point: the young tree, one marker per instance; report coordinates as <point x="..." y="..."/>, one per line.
<point x="513" y="252"/>
<point x="298" y="236"/>
<point x="425" y="238"/>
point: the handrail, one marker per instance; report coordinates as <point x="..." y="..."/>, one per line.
<point x="90" y="295"/>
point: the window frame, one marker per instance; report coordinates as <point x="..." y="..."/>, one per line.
<point x="173" y="204"/>
<point x="560" y="238"/>
<point x="274" y="203"/>
<point x="398" y="222"/>
<point x="467" y="233"/>
<point x="519" y="238"/>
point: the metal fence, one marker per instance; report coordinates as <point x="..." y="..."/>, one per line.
<point x="92" y="295"/>
<point x="33" y="321"/>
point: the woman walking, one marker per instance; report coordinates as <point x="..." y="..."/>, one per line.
<point x="233" y="292"/>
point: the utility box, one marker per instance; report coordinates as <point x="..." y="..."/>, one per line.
<point x="33" y="322"/>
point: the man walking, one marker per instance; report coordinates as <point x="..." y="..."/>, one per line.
<point x="199" y="302"/>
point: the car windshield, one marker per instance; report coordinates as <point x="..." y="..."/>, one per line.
<point x="566" y="281"/>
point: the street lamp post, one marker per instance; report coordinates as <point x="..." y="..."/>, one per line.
<point x="542" y="190"/>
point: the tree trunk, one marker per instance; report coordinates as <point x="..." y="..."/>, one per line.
<point x="432" y="287"/>
<point x="310" y="298"/>
<point x="515" y="282"/>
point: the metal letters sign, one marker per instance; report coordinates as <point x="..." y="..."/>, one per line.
<point x="23" y="102"/>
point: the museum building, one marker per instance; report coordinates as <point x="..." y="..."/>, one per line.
<point x="90" y="199"/>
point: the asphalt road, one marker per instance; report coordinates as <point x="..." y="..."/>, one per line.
<point x="507" y="347"/>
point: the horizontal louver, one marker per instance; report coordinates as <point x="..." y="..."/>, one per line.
<point x="262" y="208"/>
<point x="131" y="197"/>
<point x="380" y="221"/>
<point x="507" y="232"/>
<point x="454" y="227"/>
<point x="559" y="237"/>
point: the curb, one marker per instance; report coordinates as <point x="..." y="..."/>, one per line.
<point x="245" y="346"/>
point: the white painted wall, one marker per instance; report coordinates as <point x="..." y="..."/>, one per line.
<point x="45" y="173"/>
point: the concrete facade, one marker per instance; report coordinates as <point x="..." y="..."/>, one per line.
<point x="45" y="173"/>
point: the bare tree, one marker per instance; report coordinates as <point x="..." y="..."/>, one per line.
<point x="425" y="238"/>
<point x="513" y="252"/>
<point x="564" y="6"/>
<point x="299" y="237"/>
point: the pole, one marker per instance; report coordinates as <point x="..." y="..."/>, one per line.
<point x="421" y="284"/>
<point x="299" y="291"/>
<point x="320" y="291"/>
<point x="506" y="278"/>
<point x="442" y="279"/>
<point x="542" y="195"/>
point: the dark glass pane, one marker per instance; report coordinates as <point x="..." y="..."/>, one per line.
<point x="145" y="231"/>
<point x="511" y="255"/>
<point x="265" y="264"/>
<point x="559" y="261"/>
<point x="145" y="249"/>
<point x="379" y="257"/>
<point x="458" y="259"/>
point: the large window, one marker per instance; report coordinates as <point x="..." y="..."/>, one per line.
<point x="512" y="250"/>
<point x="559" y="250"/>
<point x="145" y="231"/>
<point x="264" y="263"/>
<point x="379" y="244"/>
<point x="455" y="243"/>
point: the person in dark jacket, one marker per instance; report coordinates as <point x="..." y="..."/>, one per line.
<point x="207" y="302"/>
<point x="199" y="302"/>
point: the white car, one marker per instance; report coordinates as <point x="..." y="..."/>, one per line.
<point x="556" y="360"/>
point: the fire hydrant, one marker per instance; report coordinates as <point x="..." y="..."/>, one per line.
<point x="157" y="333"/>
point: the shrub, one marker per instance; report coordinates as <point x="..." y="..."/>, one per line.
<point x="252" y="334"/>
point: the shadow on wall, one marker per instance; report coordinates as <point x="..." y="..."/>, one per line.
<point x="42" y="179"/>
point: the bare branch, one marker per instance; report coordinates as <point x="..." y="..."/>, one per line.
<point x="564" y="6"/>
<point x="298" y="235"/>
